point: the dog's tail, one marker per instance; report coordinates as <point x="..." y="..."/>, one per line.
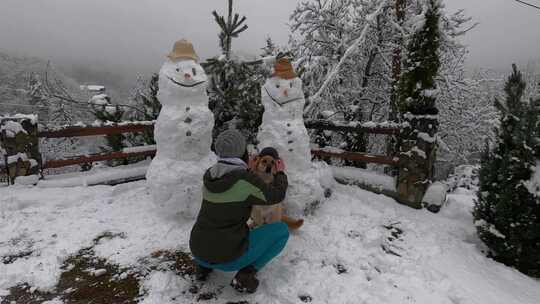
<point x="293" y="224"/>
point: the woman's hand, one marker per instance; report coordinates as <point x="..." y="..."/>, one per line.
<point x="279" y="166"/>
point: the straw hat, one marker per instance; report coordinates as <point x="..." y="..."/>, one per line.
<point x="183" y="49"/>
<point x="284" y="69"/>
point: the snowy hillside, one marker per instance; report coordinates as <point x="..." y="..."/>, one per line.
<point x="16" y="73"/>
<point x="357" y="248"/>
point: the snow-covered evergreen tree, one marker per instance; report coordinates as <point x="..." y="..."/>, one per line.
<point x="507" y="213"/>
<point x="107" y="113"/>
<point x="270" y="49"/>
<point x="146" y="108"/>
<point x="417" y="87"/>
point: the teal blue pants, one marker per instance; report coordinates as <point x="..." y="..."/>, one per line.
<point x="265" y="243"/>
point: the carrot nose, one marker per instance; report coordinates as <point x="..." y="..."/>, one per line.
<point x="187" y="76"/>
<point x="286" y="93"/>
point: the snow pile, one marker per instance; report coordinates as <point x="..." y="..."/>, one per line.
<point x="435" y="196"/>
<point x="32" y="117"/>
<point x="533" y="185"/>
<point x="93" y="88"/>
<point x="359" y="247"/>
<point x="139" y="149"/>
<point x="183" y="134"/>
<point x="12" y="128"/>
<point x="363" y="177"/>
<point x="98" y="175"/>
<point x="100" y="100"/>
<point x="29" y="180"/>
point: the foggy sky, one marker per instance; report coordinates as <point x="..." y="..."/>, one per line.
<point x="136" y="34"/>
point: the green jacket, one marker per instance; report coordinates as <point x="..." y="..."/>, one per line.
<point x="220" y="234"/>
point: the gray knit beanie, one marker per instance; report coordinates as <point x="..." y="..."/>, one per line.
<point x="230" y="143"/>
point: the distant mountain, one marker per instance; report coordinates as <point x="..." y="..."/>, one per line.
<point x="18" y="75"/>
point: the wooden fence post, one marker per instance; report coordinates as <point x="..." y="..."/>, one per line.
<point x="19" y="139"/>
<point x="416" y="158"/>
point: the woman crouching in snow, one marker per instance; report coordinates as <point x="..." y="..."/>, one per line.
<point x="220" y="238"/>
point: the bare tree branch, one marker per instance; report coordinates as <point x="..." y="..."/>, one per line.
<point x="528" y="4"/>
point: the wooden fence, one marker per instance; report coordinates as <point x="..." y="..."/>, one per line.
<point x="406" y="183"/>
<point x="355" y="128"/>
<point x="113" y="129"/>
<point x="76" y="131"/>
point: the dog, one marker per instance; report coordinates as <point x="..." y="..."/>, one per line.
<point x="264" y="165"/>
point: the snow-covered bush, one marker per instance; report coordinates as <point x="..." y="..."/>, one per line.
<point x="365" y="85"/>
<point x="507" y="213"/>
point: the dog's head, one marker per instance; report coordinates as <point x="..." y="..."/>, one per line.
<point x="264" y="164"/>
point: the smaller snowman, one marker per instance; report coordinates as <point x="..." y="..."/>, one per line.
<point x="283" y="129"/>
<point x="183" y="134"/>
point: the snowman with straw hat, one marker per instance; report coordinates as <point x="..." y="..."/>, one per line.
<point x="183" y="134"/>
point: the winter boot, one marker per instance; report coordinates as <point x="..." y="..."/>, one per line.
<point x="202" y="273"/>
<point x="245" y="280"/>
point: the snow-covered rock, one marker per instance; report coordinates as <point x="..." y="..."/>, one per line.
<point x="435" y="196"/>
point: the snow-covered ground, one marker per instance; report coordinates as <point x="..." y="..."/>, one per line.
<point x="358" y="247"/>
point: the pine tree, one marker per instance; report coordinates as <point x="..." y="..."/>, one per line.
<point x="417" y="84"/>
<point x="151" y="104"/>
<point x="270" y="49"/>
<point x="148" y="108"/>
<point x="230" y="28"/>
<point x="417" y="93"/>
<point x="234" y="90"/>
<point x="507" y="214"/>
<point x="106" y="113"/>
<point x="111" y="114"/>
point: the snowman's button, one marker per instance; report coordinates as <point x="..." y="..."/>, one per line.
<point x="291" y="150"/>
<point x="289" y="132"/>
<point x="288" y="125"/>
<point x="290" y="141"/>
<point x="188" y="133"/>
<point x="188" y="120"/>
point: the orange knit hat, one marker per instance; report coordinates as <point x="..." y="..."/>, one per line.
<point x="284" y="69"/>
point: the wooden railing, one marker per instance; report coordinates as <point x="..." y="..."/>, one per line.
<point x="358" y="128"/>
<point x="76" y="131"/>
<point x="82" y="131"/>
<point x="26" y="142"/>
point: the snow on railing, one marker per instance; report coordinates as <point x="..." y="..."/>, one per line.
<point x="386" y="127"/>
<point x="97" y="123"/>
<point x="97" y="128"/>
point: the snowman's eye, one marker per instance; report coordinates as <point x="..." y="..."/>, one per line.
<point x="194" y="71"/>
<point x="277" y="85"/>
<point x="291" y="85"/>
<point x="178" y="70"/>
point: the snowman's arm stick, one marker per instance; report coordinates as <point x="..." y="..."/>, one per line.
<point x="315" y="99"/>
